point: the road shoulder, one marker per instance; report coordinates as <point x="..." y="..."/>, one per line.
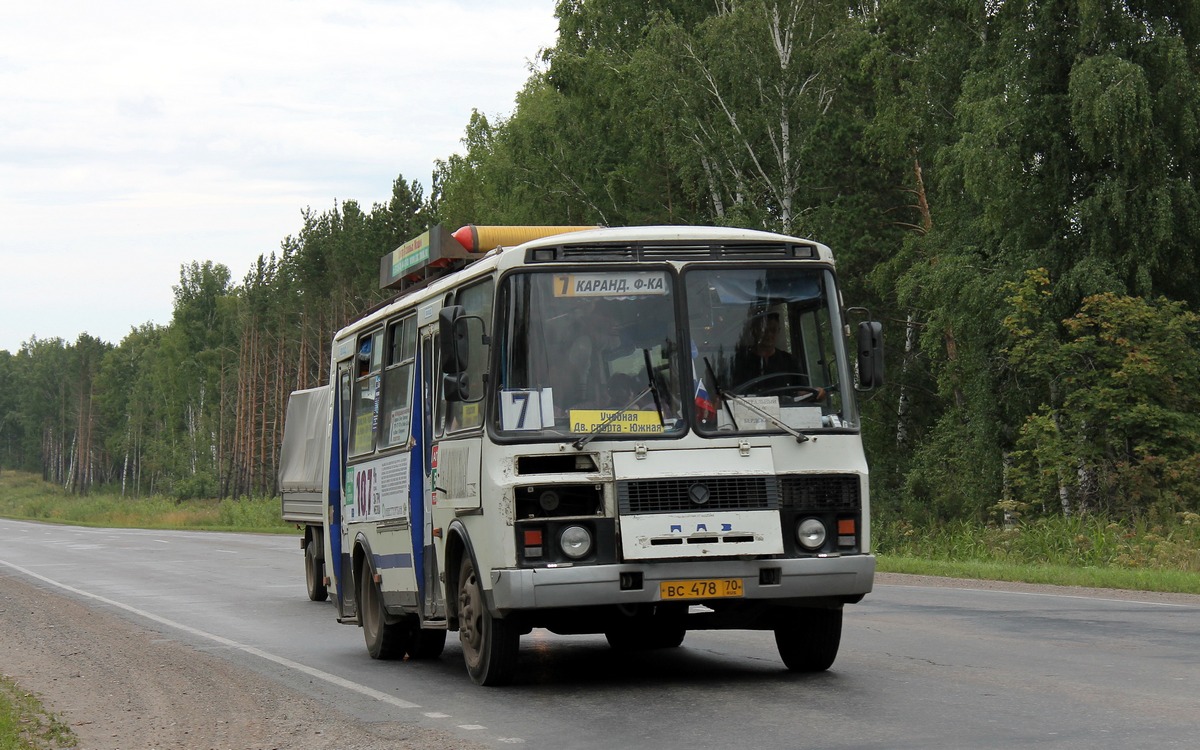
<point x="1154" y="597"/>
<point x="121" y="685"/>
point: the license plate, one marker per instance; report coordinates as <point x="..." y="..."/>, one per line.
<point x="704" y="588"/>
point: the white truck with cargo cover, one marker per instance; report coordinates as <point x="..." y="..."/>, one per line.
<point x="630" y="431"/>
<point x="302" y="478"/>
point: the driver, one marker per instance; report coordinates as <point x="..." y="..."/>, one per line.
<point x="761" y="355"/>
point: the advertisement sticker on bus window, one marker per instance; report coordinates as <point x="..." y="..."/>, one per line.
<point x="524" y="410"/>
<point x="802" y="417"/>
<point x="398" y="426"/>
<point x="470" y="413"/>
<point x="749" y="419"/>
<point x="610" y="284"/>
<point x="363" y="430"/>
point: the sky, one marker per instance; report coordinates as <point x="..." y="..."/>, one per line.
<point x="139" y="136"/>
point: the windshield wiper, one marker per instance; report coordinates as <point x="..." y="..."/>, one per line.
<point x="727" y="396"/>
<point x="650" y="388"/>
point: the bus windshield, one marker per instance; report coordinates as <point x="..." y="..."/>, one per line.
<point x="767" y="340"/>
<point x="589" y="353"/>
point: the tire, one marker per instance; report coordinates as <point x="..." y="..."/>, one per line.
<point x="385" y="640"/>
<point x="647" y="637"/>
<point x="809" y="641"/>
<point x="668" y="636"/>
<point x="314" y="573"/>
<point x="490" y="645"/>
<point x="644" y="630"/>
<point x="426" y="644"/>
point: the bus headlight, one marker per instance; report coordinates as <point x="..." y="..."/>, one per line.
<point x="576" y="542"/>
<point x="810" y="533"/>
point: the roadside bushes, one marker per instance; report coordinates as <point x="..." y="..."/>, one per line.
<point x="1167" y="543"/>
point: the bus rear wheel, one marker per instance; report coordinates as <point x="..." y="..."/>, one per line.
<point x="385" y="640"/>
<point x="425" y="643"/>
<point x="809" y="640"/>
<point x="646" y="630"/>
<point x="490" y="644"/>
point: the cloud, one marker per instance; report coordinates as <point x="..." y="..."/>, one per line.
<point x="139" y="136"/>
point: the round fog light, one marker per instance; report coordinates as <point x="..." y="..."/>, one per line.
<point x="549" y="501"/>
<point x="575" y="541"/>
<point x="810" y="532"/>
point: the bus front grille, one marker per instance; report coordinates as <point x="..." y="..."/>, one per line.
<point x="697" y="494"/>
<point x="821" y="492"/>
<point x="838" y="493"/>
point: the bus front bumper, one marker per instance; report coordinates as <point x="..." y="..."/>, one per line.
<point x="847" y="577"/>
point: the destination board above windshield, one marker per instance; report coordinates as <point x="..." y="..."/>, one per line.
<point x="610" y="284"/>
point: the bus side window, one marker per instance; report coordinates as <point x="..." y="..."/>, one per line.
<point x="346" y="394"/>
<point x="366" y="393"/>
<point x="395" y="415"/>
<point x="476" y="301"/>
<point x="439" y="404"/>
<point x="430" y="398"/>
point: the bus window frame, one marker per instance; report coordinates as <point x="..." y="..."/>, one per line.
<point x="478" y="362"/>
<point x="374" y="369"/>
<point x="399" y="364"/>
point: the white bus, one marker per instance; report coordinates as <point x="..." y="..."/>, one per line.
<point x="629" y="431"/>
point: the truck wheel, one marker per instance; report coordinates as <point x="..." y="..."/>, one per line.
<point x="809" y="641"/>
<point x="385" y="640"/>
<point x="490" y="645"/>
<point x="314" y="573"/>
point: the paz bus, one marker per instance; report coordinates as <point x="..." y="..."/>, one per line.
<point x="633" y="432"/>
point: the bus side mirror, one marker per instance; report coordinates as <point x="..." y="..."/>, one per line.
<point x="870" y="354"/>
<point x="452" y="335"/>
<point x="455" y="386"/>
<point x="452" y="332"/>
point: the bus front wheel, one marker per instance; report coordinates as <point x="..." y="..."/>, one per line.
<point x="490" y="645"/>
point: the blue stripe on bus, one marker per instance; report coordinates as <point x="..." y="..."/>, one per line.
<point x="416" y="476"/>
<point x="335" y="483"/>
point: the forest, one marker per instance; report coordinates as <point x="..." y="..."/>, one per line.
<point x="1012" y="186"/>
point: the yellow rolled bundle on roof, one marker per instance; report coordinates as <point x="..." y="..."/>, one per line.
<point x="479" y="239"/>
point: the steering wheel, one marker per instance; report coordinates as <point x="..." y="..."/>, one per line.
<point x="757" y="386"/>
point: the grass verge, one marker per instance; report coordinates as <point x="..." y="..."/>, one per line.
<point x="26" y="725"/>
<point x="1152" y="554"/>
<point x="1170" y="581"/>
<point x="25" y="496"/>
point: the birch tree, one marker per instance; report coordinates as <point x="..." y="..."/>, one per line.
<point x="747" y="89"/>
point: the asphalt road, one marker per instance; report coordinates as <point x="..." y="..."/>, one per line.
<point x="920" y="666"/>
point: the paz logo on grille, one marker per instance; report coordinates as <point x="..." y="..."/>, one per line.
<point x="698" y="494"/>
<point x="678" y="527"/>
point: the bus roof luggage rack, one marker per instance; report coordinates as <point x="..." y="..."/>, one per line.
<point x="437" y="252"/>
<point x="684" y="250"/>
